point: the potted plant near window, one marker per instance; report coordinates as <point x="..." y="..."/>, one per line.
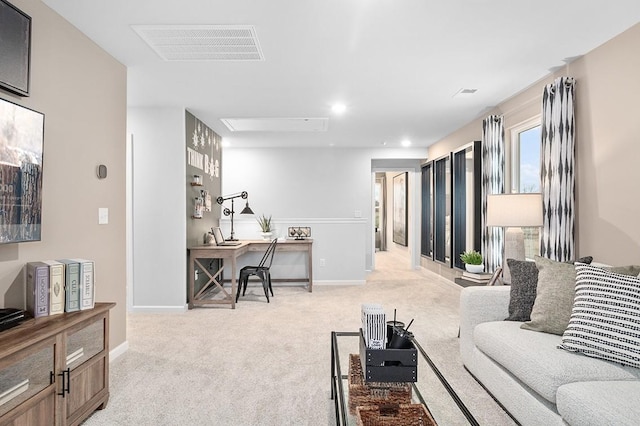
<point x="472" y="261"/>
<point x="265" y="226"/>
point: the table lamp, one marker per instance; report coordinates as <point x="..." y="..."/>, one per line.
<point x="513" y="211"/>
<point x="247" y="210"/>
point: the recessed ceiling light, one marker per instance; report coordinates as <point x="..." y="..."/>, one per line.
<point x="225" y="143"/>
<point x="406" y="143"/>
<point x="338" y="108"/>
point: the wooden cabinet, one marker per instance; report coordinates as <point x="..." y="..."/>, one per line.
<point x="55" y="370"/>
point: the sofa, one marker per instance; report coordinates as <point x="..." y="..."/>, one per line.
<point x="531" y="378"/>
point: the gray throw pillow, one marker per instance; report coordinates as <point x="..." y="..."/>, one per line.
<point x="554" y="300"/>
<point x="625" y="270"/>
<point x="524" y="280"/>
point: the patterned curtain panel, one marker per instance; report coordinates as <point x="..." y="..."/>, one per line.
<point x="557" y="170"/>
<point x="492" y="183"/>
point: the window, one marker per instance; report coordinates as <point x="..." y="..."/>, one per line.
<point x="525" y="172"/>
<point x="525" y="145"/>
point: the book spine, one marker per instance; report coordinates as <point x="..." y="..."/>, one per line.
<point x="72" y="289"/>
<point x="56" y="292"/>
<point x="87" y="299"/>
<point x="477" y="276"/>
<point x="476" y="280"/>
<point x="42" y="292"/>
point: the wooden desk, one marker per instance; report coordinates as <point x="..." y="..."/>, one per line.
<point x="232" y="253"/>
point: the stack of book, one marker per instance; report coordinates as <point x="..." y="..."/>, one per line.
<point x="478" y="278"/>
<point x="57" y="286"/>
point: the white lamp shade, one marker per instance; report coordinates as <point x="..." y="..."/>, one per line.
<point x="514" y="210"/>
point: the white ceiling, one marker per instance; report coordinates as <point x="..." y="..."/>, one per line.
<point x="396" y="64"/>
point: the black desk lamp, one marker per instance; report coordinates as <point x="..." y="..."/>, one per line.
<point x="247" y="210"/>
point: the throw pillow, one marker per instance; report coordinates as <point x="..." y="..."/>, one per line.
<point x="555" y="292"/>
<point x="524" y="279"/>
<point x="605" y="320"/>
<point x="625" y="270"/>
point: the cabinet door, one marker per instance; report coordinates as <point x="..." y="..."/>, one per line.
<point x="466" y="201"/>
<point x="442" y="210"/>
<point x="426" y="238"/>
<point x="86" y="360"/>
<point x="27" y="394"/>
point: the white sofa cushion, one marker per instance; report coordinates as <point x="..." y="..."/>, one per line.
<point x="534" y="358"/>
<point x="600" y="403"/>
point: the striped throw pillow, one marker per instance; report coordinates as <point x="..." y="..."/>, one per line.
<point x="605" y="319"/>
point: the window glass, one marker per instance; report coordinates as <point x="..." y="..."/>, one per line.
<point x="529" y="161"/>
<point x="525" y="173"/>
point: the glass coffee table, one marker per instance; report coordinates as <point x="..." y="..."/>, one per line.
<point x="430" y="389"/>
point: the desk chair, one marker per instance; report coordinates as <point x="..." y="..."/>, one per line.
<point x="261" y="271"/>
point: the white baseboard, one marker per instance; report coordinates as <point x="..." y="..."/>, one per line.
<point x="118" y="350"/>
<point x="159" y="309"/>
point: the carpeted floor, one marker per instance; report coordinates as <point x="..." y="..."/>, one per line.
<point x="269" y="364"/>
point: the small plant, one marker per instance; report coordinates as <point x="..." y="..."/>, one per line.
<point x="265" y="223"/>
<point x="471" y="257"/>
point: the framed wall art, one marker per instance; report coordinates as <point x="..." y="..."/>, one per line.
<point x="21" y="157"/>
<point x="400" y="209"/>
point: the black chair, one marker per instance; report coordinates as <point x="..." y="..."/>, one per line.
<point x="261" y="271"/>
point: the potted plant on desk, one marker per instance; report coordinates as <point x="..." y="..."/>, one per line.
<point x="265" y="226"/>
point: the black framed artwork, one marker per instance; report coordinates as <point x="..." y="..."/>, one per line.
<point x="15" y="49"/>
<point x="21" y="156"/>
<point x="400" y="209"/>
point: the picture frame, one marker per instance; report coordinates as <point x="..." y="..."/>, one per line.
<point x="21" y="165"/>
<point x="495" y="278"/>
<point x="400" y="211"/>
<point x="15" y="49"/>
<point x="299" y="232"/>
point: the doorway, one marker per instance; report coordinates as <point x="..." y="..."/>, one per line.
<point x="383" y="213"/>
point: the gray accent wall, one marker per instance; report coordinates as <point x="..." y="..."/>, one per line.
<point x="203" y="157"/>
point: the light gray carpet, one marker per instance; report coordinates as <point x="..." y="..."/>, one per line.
<point x="269" y="364"/>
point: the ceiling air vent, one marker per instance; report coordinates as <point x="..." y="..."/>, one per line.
<point x="464" y="92"/>
<point x="202" y="42"/>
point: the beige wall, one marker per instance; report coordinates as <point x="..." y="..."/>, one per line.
<point x="82" y="92"/>
<point x="607" y="145"/>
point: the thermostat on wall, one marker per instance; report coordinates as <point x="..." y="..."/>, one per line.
<point x="101" y="171"/>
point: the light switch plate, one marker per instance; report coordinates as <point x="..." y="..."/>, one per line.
<point x="103" y="215"/>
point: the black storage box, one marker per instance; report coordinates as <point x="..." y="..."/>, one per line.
<point x="388" y="365"/>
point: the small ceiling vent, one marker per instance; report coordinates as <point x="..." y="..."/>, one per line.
<point x="202" y="42"/>
<point x="276" y="124"/>
<point x="463" y="92"/>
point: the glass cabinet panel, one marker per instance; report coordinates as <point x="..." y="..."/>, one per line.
<point x="85" y="343"/>
<point x="426" y="237"/>
<point x="466" y="201"/>
<point x="442" y="210"/>
<point x="22" y="379"/>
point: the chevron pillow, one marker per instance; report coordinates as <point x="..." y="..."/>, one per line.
<point x="605" y="319"/>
